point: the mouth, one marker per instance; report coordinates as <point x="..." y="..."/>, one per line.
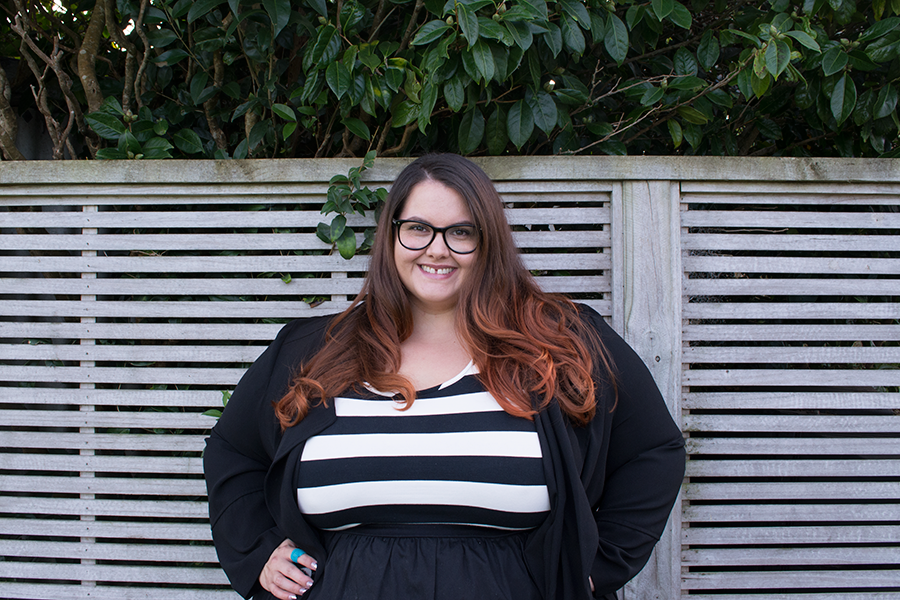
<point x="433" y="271"/>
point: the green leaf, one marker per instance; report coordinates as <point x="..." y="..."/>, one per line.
<point x="553" y="38"/>
<point x="319" y="6"/>
<point x="200" y="8"/>
<point x="616" y="40"/>
<point x="106" y="126"/>
<point x="708" y="51"/>
<point x="521" y="34"/>
<point x="675" y="132"/>
<point x="161" y="37"/>
<point x="684" y="62"/>
<point x="279" y="12"/>
<point x="778" y="55"/>
<point x="111" y="154"/>
<point x="488" y="28"/>
<point x="652" y="96"/>
<point x="519" y="123"/>
<point x="843" y="98"/>
<point x="455" y="93"/>
<point x="357" y="128"/>
<point x="468" y="22"/>
<point x="693" y="134"/>
<point x="692" y="115"/>
<point x="404" y="113"/>
<point x="285" y="112"/>
<point x="834" y="60"/>
<point x="805" y="39"/>
<point x="288" y="130"/>
<point x="338" y="225"/>
<point x="429" y="98"/>
<point x="198" y="84"/>
<point x="745" y="35"/>
<point x="760" y="85"/>
<point x="429" y="32"/>
<point x="543" y="109"/>
<point x="886" y="101"/>
<point x="662" y="8"/>
<point x="471" y="131"/>
<point x="170" y="57"/>
<point x="161" y="127"/>
<point x="346" y="244"/>
<point x="338" y="78"/>
<point x="188" y="141"/>
<point x="689" y="83"/>
<point x="576" y="10"/>
<point x="769" y="129"/>
<point x="681" y="16"/>
<point x="129" y="143"/>
<point x="879" y="29"/>
<point x="484" y="60"/>
<point x="497" y="137"/>
<point x="572" y="36"/>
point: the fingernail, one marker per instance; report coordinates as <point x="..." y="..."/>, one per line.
<point x="292" y="597"/>
<point x="314" y="565"/>
<point x="309" y="584"/>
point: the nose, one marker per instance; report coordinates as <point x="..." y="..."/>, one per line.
<point x="438" y="246"/>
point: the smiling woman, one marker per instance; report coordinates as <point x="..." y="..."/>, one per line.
<point x="457" y="432"/>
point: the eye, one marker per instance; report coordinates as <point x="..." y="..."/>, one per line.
<point x="417" y="228"/>
<point x="461" y="232"/>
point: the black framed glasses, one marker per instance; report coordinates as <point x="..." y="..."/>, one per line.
<point x="416" y="235"/>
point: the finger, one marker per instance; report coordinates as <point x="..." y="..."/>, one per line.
<point x="294" y="585"/>
<point x="305" y="560"/>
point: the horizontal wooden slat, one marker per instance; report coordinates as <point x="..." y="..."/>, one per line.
<point x="254" y="264"/>
<point x="793" y="264"/>
<point x="820" y="595"/>
<point x="141" y="420"/>
<point x="160" y="309"/>
<point x="29" y="591"/>
<point x="170" y="465"/>
<point x="192" y="553"/>
<point x="862" y="446"/>
<point x="106" y="529"/>
<point x="844" y="513"/>
<point x="769" y="242"/>
<point x="274" y="219"/>
<point x="130" y="353"/>
<point x="110" y="573"/>
<point x="796" y="468"/>
<point x="106" y="508"/>
<point x="147" y="331"/>
<point x="793" y="423"/>
<point x="787" y="187"/>
<point x="258" y="241"/>
<point x="798" y="377"/>
<point x="793" y="400"/>
<point x="106" y="441"/>
<point x="853" y="555"/>
<point x="848" y="491"/>
<point x="111" y="397"/>
<point x="124" y="375"/>
<point x="792" y="310"/>
<point x="818" y="195"/>
<point x="787" y="333"/>
<point x="805" y="354"/>
<point x="124" y="486"/>
<point x="779" y="580"/>
<point x="790" y="287"/>
<point x="827" y="534"/>
<point x="790" y="219"/>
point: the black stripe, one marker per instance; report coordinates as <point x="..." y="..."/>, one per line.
<point x="464" y="422"/>
<point x="483" y="469"/>
<point x="419" y="513"/>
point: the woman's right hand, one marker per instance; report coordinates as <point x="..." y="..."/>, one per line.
<point x="283" y="578"/>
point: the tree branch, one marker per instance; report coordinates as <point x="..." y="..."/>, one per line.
<point x="407" y="132"/>
<point x="218" y="80"/>
<point x="139" y="78"/>
<point x="411" y="27"/>
<point x="8" y="124"/>
<point x="87" y="55"/>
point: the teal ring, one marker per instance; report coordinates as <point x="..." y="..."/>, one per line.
<point x="296" y="554"/>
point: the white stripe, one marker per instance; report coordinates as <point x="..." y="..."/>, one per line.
<point x="447" y="405"/>
<point x="492" y="496"/>
<point x="520" y="444"/>
<point x="482" y="525"/>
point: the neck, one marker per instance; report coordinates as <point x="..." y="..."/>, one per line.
<point x="434" y="327"/>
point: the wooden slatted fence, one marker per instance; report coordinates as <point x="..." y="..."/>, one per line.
<point x="762" y="295"/>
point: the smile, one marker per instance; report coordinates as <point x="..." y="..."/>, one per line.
<point x="434" y="271"/>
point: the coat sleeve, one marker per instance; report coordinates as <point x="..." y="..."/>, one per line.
<point x="632" y="492"/>
<point x="238" y="454"/>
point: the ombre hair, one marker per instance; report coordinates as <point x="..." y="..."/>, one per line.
<point x="530" y="346"/>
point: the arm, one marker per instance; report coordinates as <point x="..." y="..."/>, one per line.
<point x="632" y="491"/>
<point x="238" y="454"/>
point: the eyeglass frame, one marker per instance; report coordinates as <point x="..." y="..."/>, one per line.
<point x="434" y="231"/>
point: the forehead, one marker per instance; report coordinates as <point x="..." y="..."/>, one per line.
<point x="433" y="202"/>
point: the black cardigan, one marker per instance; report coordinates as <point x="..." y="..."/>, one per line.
<point x="612" y="483"/>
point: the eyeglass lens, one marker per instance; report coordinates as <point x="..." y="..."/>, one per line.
<point x="459" y="238"/>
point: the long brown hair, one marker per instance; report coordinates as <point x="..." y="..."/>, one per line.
<point x="529" y="346"/>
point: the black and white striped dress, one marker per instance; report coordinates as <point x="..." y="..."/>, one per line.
<point x="430" y="502"/>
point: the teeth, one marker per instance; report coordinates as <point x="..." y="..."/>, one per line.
<point x="443" y="271"/>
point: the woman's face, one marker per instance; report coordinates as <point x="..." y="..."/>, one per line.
<point x="434" y="275"/>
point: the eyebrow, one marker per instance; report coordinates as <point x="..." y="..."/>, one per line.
<point x="429" y="223"/>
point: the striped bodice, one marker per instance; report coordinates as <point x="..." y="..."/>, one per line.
<point x="455" y="457"/>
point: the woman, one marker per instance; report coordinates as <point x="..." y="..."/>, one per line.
<point x="456" y="433"/>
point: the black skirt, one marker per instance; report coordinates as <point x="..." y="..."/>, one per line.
<point x="424" y="562"/>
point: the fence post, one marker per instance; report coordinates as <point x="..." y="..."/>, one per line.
<point x="651" y="233"/>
